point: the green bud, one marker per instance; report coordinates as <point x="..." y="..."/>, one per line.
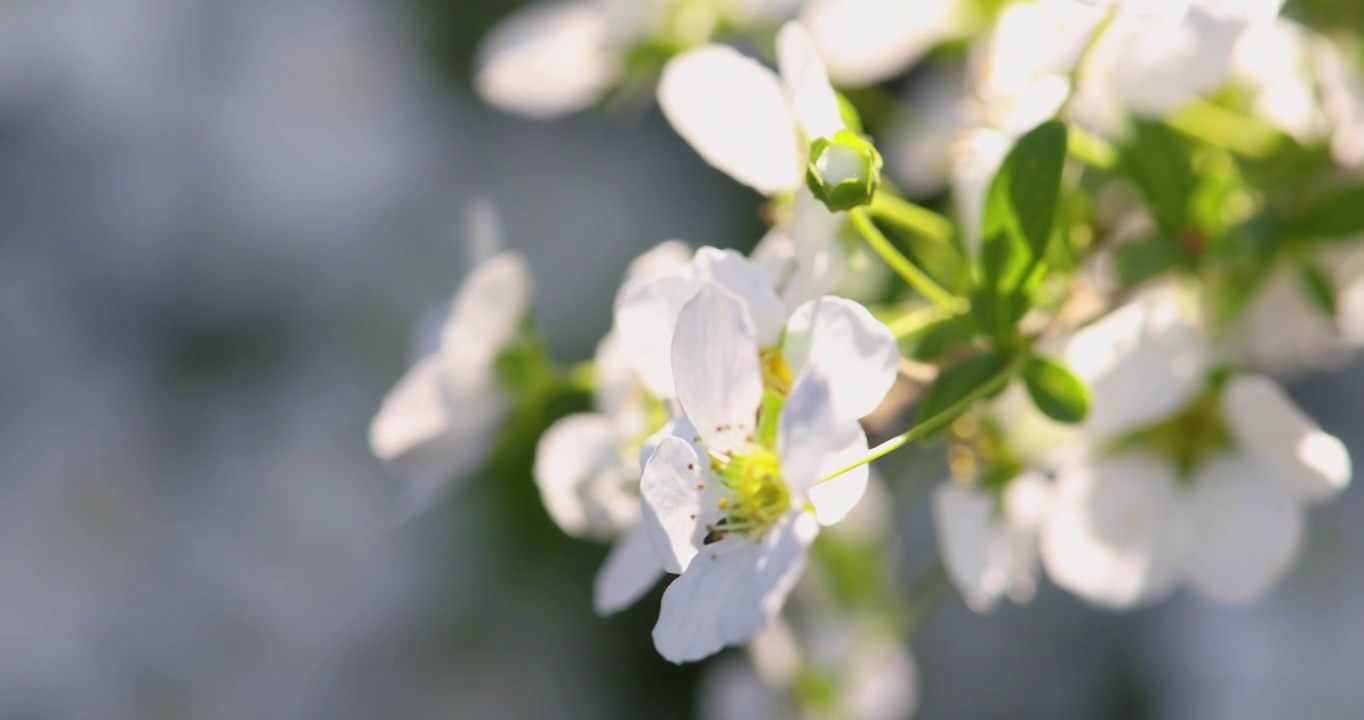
<point x="844" y="172"/>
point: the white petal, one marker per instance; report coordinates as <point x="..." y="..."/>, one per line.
<point x="988" y="541"/>
<point x="835" y="498"/>
<point x="1161" y="67"/>
<point x="1292" y="449"/>
<point x="579" y="474"/>
<point x="807" y="83"/>
<point x="487" y="312"/>
<point x="883" y="682"/>
<point x="732" y="590"/>
<point x="730" y="689"/>
<point x="1143" y="362"/>
<point x="546" y="60"/>
<point x="733" y="112"/>
<point x="631" y="568"/>
<point x="1247" y="530"/>
<point x="854" y="350"/>
<point x="741" y="276"/>
<point x="867" y="41"/>
<point x="715" y="368"/>
<point x="680" y="428"/>
<point x="677" y="502"/>
<point x="1117" y="535"/>
<point x="646" y="315"/>
<point x="806" y="432"/>
<point x="430" y="433"/>
<point x="664" y="257"/>
<point x="615" y="387"/>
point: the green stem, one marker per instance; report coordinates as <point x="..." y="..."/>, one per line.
<point x="902" y="265"/>
<point x="914" y="322"/>
<point x="914" y="218"/>
<point x="1223" y="128"/>
<point x="1091" y="149"/>
<point x="935" y="423"/>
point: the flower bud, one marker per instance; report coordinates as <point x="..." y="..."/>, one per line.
<point x="843" y="172"/>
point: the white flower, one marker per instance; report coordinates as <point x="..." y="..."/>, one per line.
<point x="736" y="514"/>
<point x="1216" y="499"/>
<point x="1284" y="332"/>
<point x="867" y="41"/>
<point x="988" y="538"/>
<point x="587" y="465"/>
<point x="441" y="419"/>
<point x="860" y="353"/>
<point x="559" y="57"/>
<point x="744" y="119"/>
<point x="1276" y="61"/>
<point x="802" y="255"/>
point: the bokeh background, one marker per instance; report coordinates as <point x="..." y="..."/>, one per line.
<point x="219" y="221"/>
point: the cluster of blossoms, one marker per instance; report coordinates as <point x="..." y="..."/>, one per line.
<point x="1132" y="218"/>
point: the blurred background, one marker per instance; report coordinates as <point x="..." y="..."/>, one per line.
<point x="219" y="222"/>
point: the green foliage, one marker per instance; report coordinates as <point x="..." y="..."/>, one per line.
<point x="957" y="382"/>
<point x="1020" y="210"/>
<point x="1141" y="260"/>
<point x="1159" y="162"/>
<point x="1337" y="215"/>
<point x="1319" y="287"/>
<point x="1055" y="390"/>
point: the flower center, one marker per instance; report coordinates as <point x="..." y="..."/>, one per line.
<point x="776" y="374"/>
<point x="757" y="496"/>
<point x="1190" y="436"/>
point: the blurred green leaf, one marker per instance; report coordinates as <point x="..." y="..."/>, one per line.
<point x="944" y="336"/>
<point x="1055" y="390"/>
<point x="1338" y="215"/>
<point x="1319" y="287"/>
<point x="1157" y="160"/>
<point x="957" y="382"/>
<point x="1144" y="259"/>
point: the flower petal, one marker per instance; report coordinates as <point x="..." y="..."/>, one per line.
<point x="431" y="435"/>
<point x="1142" y="362"/>
<point x="733" y="590"/>
<point x="807" y="83"/>
<point x="677" y="502"/>
<point x="1117" y="535"/>
<point x="835" y="498"/>
<point x="805" y="432"/>
<point x="733" y="112"/>
<point x="854" y="350"/>
<point x="989" y="543"/>
<point x="1248" y="530"/>
<point x="579" y="474"/>
<point x="741" y="276"/>
<point x="867" y="41"/>
<point x="487" y="312"/>
<point x="546" y="60"/>
<point x="715" y="368"/>
<point x="646" y="315"/>
<point x="1291" y="448"/>
<point x="662" y="258"/>
<point x="631" y="568"/>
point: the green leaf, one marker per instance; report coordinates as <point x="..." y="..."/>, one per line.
<point x="1055" y="390"/>
<point x="943" y="337"/>
<point x="1144" y="259"/>
<point x="1020" y="210"/>
<point x="1157" y="160"/>
<point x="1319" y="287"/>
<point x="957" y="382"/>
<point x="1339" y="215"/>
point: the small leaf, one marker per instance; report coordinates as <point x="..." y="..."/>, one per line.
<point x="1339" y="215"/>
<point x="957" y="382"/>
<point x="1320" y="288"/>
<point x="1056" y="391"/>
<point x="1157" y="160"/>
<point x="943" y="337"/>
<point x="1144" y="259"/>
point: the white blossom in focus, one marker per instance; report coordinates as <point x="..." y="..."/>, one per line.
<point x="1128" y="524"/>
<point x="587" y="465"/>
<point x="735" y="513"/>
<point x="441" y="419"/>
<point x="859" y="351"/>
